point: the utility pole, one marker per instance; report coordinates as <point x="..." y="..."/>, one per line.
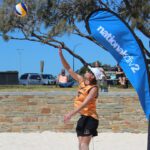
<point x="20" y="60"/>
<point x="42" y="66"/>
<point x="74" y="48"/>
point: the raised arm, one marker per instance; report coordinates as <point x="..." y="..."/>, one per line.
<point x="74" y="75"/>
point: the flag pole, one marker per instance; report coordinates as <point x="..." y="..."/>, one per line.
<point x="148" y="139"/>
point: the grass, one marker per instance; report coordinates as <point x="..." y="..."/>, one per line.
<point x="41" y="88"/>
<point x="31" y="88"/>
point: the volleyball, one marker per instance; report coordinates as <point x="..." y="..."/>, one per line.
<point x="21" y="9"/>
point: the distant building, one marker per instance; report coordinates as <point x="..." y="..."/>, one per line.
<point x="9" y="78"/>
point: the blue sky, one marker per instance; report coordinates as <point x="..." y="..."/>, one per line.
<point x="25" y="56"/>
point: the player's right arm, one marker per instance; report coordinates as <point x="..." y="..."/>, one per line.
<point x="74" y="75"/>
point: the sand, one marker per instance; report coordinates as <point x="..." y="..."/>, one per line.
<point x="68" y="141"/>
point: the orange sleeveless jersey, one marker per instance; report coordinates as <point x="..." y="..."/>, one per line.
<point x="90" y="108"/>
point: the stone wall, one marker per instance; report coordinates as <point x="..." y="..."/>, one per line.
<point x="32" y="112"/>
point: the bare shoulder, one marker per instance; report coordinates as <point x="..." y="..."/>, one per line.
<point x="75" y="76"/>
<point x="93" y="92"/>
<point x="94" y="89"/>
<point x="80" y="78"/>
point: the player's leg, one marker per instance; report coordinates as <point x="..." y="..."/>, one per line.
<point x="84" y="142"/>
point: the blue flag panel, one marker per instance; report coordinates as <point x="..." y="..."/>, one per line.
<point x="114" y="34"/>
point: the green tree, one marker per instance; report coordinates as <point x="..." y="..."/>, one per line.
<point x="107" y="67"/>
<point x="49" y="19"/>
<point x="136" y="13"/>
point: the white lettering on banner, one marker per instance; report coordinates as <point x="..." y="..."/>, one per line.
<point x="111" y="40"/>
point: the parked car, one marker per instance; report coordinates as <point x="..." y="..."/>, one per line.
<point x="31" y="79"/>
<point x="37" y="79"/>
<point x="48" y="79"/>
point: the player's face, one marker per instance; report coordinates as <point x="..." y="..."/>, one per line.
<point x="88" y="75"/>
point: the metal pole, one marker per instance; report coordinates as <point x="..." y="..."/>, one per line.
<point x="20" y="60"/>
<point x="148" y="139"/>
<point x="73" y="65"/>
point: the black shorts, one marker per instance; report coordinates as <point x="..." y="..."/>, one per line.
<point x="87" y="126"/>
<point x="120" y="76"/>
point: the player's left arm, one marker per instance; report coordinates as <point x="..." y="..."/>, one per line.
<point x="92" y="94"/>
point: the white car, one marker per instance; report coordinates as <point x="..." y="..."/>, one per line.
<point x="48" y="79"/>
<point x="31" y="79"/>
<point x="37" y="79"/>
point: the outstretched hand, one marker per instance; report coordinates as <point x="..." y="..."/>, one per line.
<point x="68" y="116"/>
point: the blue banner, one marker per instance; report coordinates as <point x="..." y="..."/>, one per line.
<point x="115" y="35"/>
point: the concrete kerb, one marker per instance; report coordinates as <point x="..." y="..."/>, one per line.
<point x="37" y="93"/>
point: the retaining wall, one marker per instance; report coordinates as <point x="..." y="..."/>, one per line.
<point x="40" y="111"/>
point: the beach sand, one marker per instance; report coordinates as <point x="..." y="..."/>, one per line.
<point x="68" y="141"/>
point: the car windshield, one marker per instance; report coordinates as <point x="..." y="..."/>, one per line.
<point x="46" y="76"/>
<point x="24" y="76"/>
<point x="36" y="77"/>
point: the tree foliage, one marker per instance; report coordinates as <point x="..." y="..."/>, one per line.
<point x="49" y="19"/>
<point x="137" y="12"/>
